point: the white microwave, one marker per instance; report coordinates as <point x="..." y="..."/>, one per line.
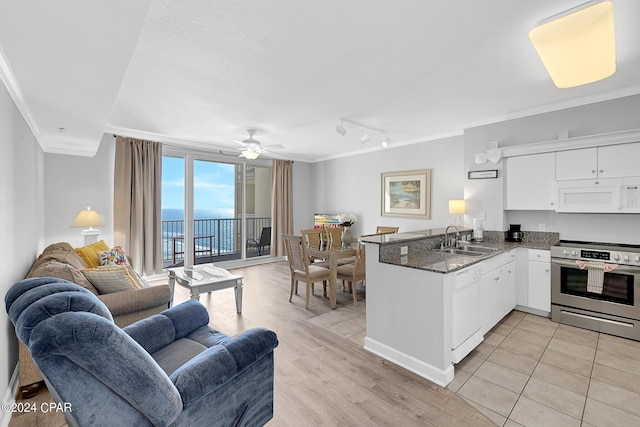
<point x="610" y="195"/>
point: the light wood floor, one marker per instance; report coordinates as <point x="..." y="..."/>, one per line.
<point x="323" y="376"/>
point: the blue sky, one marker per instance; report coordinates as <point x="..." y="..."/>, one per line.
<point x="213" y="186"/>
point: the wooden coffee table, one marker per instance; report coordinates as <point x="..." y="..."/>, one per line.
<point x="205" y="278"/>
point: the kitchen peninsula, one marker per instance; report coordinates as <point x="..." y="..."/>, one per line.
<point x="427" y="308"/>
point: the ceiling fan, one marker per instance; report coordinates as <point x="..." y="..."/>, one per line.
<point x="252" y="148"/>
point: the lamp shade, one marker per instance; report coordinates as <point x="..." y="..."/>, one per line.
<point x="87" y="218"/>
<point x="578" y="47"/>
<point x="456" y="207"/>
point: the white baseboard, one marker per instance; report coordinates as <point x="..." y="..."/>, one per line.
<point x="9" y="397"/>
<point x="424" y="369"/>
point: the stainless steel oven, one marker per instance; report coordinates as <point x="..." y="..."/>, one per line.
<point x="596" y="286"/>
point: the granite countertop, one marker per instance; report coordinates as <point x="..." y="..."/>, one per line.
<point x="440" y="262"/>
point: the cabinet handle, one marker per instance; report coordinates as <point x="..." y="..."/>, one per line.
<point x="593" y="171"/>
<point x="546" y="270"/>
<point x="601" y="170"/>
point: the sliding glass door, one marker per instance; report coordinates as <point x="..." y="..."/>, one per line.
<point x="219" y="205"/>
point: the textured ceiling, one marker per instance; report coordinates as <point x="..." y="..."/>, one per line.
<point x="201" y="72"/>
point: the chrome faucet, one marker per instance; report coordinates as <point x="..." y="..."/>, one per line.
<point x="446" y="236"/>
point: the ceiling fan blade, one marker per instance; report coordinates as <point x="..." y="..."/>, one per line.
<point x="274" y="146"/>
<point x="240" y="142"/>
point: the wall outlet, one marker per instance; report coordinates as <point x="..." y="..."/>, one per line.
<point x="404" y="250"/>
<point x="493" y="145"/>
<point x="542" y="227"/>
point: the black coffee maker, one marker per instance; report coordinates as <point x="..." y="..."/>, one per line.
<point x="514" y="234"/>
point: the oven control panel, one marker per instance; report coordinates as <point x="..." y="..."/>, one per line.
<point x="628" y="258"/>
<point x="603" y="256"/>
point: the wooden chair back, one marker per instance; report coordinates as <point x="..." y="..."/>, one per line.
<point x="381" y="229"/>
<point x="335" y="236"/>
<point x="296" y="252"/>
<point x="312" y="237"/>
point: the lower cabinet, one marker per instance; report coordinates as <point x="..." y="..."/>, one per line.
<point x="498" y="289"/>
<point x="539" y="278"/>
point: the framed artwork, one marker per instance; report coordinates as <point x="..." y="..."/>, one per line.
<point x="323" y="220"/>
<point x="407" y="194"/>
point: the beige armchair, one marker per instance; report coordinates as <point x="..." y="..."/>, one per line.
<point x="61" y="260"/>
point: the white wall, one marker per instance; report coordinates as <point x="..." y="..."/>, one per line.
<point x="352" y="184"/>
<point x="22" y="216"/>
<point x="487" y="195"/>
<point x="72" y="184"/>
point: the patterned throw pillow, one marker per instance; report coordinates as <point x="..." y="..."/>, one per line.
<point x="114" y="256"/>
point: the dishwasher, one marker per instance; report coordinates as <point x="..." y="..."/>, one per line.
<point x="466" y="315"/>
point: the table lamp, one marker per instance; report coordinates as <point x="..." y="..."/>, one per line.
<point x="88" y="218"/>
<point x="456" y="208"/>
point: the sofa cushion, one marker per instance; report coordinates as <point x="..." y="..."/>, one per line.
<point x="90" y="255"/>
<point x="110" y="279"/>
<point x="64" y="271"/>
<point x="61" y="252"/>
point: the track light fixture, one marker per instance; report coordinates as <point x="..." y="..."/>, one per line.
<point x="370" y="131"/>
<point x="341" y="129"/>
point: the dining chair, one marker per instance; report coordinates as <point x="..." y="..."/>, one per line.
<point x="314" y="238"/>
<point x="302" y="269"/>
<point x="381" y="229"/>
<point x="354" y="272"/>
<point x="335" y="236"/>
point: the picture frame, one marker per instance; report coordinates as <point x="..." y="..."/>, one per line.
<point x="486" y="174"/>
<point x="406" y="194"/>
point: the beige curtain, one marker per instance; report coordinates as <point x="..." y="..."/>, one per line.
<point x="281" y="204"/>
<point x="137" y="209"/>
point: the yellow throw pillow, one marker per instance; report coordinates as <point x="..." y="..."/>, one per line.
<point x="112" y="279"/>
<point x="90" y="255"/>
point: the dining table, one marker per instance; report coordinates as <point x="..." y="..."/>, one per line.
<point x="332" y="254"/>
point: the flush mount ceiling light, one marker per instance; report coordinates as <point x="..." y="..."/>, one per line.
<point x="341" y="129"/>
<point x="364" y="138"/>
<point x="578" y="46"/>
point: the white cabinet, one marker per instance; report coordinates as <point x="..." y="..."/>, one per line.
<point x="498" y="289"/>
<point x="530" y="182"/>
<point x="539" y="293"/>
<point x="577" y="164"/>
<point x="609" y="161"/>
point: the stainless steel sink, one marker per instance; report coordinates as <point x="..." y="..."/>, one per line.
<point x="481" y="249"/>
<point x="457" y="251"/>
<point x="472" y="251"/>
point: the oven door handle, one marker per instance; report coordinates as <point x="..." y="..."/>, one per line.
<point x="618" y="269"/>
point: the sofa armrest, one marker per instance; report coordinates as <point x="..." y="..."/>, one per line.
<point x="215" y="366"/>
<point x="122" y="303"/>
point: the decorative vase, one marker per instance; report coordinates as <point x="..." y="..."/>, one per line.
<point x="347" y="237"/>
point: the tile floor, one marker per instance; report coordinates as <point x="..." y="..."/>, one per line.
<point x="530" y="371"/>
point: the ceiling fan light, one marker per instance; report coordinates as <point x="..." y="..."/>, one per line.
<point x="250" y="154"/>
<point x="578" y="47"/>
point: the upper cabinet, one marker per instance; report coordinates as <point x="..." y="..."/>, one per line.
<point x="610" y="161"/>
<point x="530" y="182"/>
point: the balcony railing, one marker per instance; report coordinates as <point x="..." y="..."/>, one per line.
<point x="214" y="239"/>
